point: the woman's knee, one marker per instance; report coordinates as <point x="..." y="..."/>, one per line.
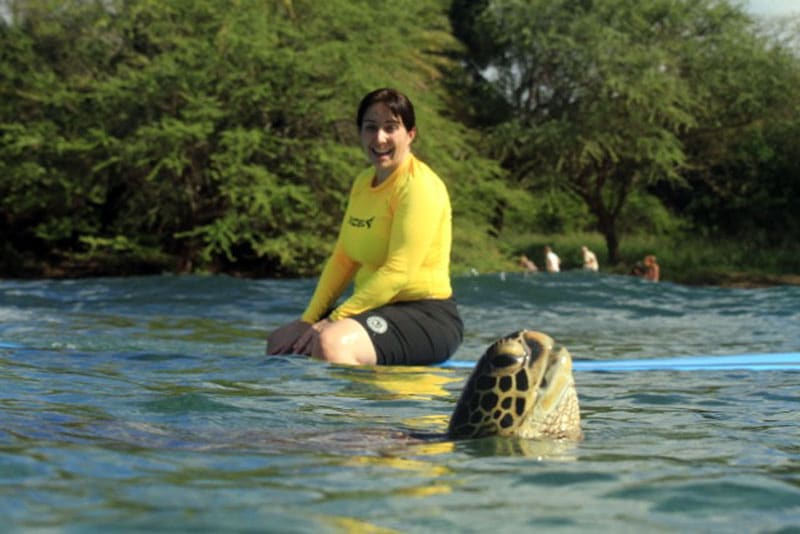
<point x="344" y="343"/>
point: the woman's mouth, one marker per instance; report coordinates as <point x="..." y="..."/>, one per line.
<point x="382" y="153"/>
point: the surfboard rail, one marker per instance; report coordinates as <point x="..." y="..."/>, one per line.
<point x="786" y="361"/>
<point x="751" y="362"/>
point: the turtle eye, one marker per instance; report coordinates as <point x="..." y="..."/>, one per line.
<point x="504" y="360"/>
<point x="537" y="343"/>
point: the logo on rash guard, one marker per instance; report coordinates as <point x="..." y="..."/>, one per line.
<point x="377" y="324"/>
<point x="361" y="223"/>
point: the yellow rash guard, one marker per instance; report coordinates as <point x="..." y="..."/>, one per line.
<point x="394" y="241"/>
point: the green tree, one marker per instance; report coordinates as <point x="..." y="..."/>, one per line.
<point x="204" y="134"/>
<point x="152" y="131"/>
<point x="744" y="149"/>
<point x="602" y="98"/>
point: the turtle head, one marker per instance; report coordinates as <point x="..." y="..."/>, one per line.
<point x="522" y="387"/>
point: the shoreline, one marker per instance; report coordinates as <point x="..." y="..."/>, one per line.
<point x="733" y="279"/>
<point x="741" y="280"/>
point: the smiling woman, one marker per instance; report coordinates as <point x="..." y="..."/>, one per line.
<point x="395" y="245"/>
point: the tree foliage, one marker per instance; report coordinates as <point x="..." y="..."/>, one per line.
<point x="143" y="136"/>
<point x="203" y="134"/>
<point x="610" y="99"/>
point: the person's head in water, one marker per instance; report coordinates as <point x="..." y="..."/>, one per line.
<point x="387" y="127"/>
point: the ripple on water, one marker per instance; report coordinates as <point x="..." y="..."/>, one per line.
<point x="146" y="402"/>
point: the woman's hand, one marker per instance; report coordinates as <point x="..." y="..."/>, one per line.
<point x="284" y="339"/>
<point x="306" y="341"/>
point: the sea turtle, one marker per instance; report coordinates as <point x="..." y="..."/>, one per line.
<point x="523" y="387"/>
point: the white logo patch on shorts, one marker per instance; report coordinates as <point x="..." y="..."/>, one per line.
<point x="377" y="324"/>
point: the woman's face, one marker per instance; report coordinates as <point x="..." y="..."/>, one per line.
<point x="385" y="139"/>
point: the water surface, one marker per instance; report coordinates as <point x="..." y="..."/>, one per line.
<point x="147" y="404"/>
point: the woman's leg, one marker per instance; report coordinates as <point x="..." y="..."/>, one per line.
<point x="345" y="341"/>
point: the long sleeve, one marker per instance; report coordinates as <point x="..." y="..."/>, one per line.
<point x="394" y="244"/>
<point x="419" y="218"/>
<point x="336" y="276"/>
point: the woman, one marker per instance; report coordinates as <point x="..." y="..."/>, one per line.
<point x="589" y="260"/>
<point x="394" y="243"/>
<point x="551" y="260"/>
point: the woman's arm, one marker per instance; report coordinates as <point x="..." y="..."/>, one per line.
<point x="337" y="274"/>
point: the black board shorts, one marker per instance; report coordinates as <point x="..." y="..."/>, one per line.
<point x="418" y="332"/>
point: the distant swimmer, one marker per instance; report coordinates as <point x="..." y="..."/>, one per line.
<point x="589" y="260"/>
<point x="651" y="269"/>
<point x="551" y="260"/>
<point x="527" y="264"/>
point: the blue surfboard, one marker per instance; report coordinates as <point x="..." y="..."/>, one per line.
<point x="780" y="361"/>
<point x="752" y="362"/>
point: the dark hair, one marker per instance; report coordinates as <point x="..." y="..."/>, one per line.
<point x="397" y="102"/>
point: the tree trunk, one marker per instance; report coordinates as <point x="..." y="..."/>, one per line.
<point x="608" y="227"/>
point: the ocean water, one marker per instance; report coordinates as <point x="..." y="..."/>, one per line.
<point x="147" y="404"/>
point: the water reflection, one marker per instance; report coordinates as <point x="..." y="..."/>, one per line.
<point x="551" y="450"/>
<point x="410" y="383"/>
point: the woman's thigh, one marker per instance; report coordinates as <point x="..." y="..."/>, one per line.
<point x="345" y="341"/>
